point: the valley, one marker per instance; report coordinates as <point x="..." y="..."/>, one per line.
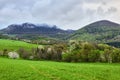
<point x="50" y="53"/>
<point x="59" y="40"/>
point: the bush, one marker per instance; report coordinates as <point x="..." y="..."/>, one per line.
<point x="116" y="55"/>
<point x="1" y="53"/>
<point x="5" y="51"/>
<point x="13" y="55"/>
<point x="67" y="57"/>
<point x="94" y="56"/>
<point x="73" y="52"/>
<point x="24" y="53"/>
<point x="31" y="57"/>
<point x="89" y="52"/>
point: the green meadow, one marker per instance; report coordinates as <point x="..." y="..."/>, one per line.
<point x="11" y="69"/>
<point x="15" y="45"/>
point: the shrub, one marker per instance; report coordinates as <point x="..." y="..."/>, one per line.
<point x="31" y="57"/>
<point x="108" y="55"/>
<point x="94" y="56"/>
<point x="24" y="53"/>
<point x="13" y="55"/>
<point x="89" y="52"/>
<point x="1" y="53"/>
<point x="5" y="51"/>
<point x="116" y="55"/>
<point x="67" y="57"/>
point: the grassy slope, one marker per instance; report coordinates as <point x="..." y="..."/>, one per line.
<point x="46" y="70"/>
<point x="14" y="45"/>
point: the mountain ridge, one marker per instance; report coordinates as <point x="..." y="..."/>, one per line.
<point x="36" y="29"/>
<point x="99" y="31"/>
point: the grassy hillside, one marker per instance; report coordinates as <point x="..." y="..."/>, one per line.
<point x="46" y="70"/>
<point x="14" y="45"/>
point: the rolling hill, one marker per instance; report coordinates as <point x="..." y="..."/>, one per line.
<point x="100" y="31"/>
<point x="13" y="45"/>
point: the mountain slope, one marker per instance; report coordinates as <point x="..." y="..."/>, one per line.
<point x="36" y="30"/>
<point x="28" y="28"/>
<point x="100" y="31"/>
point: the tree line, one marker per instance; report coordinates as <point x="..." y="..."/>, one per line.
<point x="74" y="51"/>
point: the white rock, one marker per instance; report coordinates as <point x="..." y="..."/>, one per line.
<point x="13" y="55"/>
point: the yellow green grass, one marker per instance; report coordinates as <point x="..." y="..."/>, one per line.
<point x="11" y="69"/>
<point x="14" y="45"/>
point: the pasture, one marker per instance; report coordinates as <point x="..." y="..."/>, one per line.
<point x="15" y="45"/>
<point x="11" y="69"/>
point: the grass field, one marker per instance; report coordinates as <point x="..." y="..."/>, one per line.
<point x="47" y="70"/>
<point x="14" y="45"/>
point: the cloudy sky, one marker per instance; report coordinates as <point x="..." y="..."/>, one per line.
<point x="66" y="14"/>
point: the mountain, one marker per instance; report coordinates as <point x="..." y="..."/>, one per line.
<point x="103" y="31"/>
<point x="29" y="28"/>
<point x="100" y="31"/>
<point x="35" y="29"/>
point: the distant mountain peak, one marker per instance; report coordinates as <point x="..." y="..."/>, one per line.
<point x="106" y="23"/>
<point x="28" y="25"/>
<point x="30" y="29"/>
<point x="31" y="25"/>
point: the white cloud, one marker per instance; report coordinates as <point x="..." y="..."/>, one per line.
<point x="67" y="14"/>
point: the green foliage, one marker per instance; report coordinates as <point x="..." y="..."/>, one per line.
<point x="116" y="55"/>
<point x="53" y="52"/>
<point x="4" y="36"/>
<point x="94" y="56"/>
<point x="89" y="52"/>
<point x="74" y="51"/>
<point x="25" y="54"/>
